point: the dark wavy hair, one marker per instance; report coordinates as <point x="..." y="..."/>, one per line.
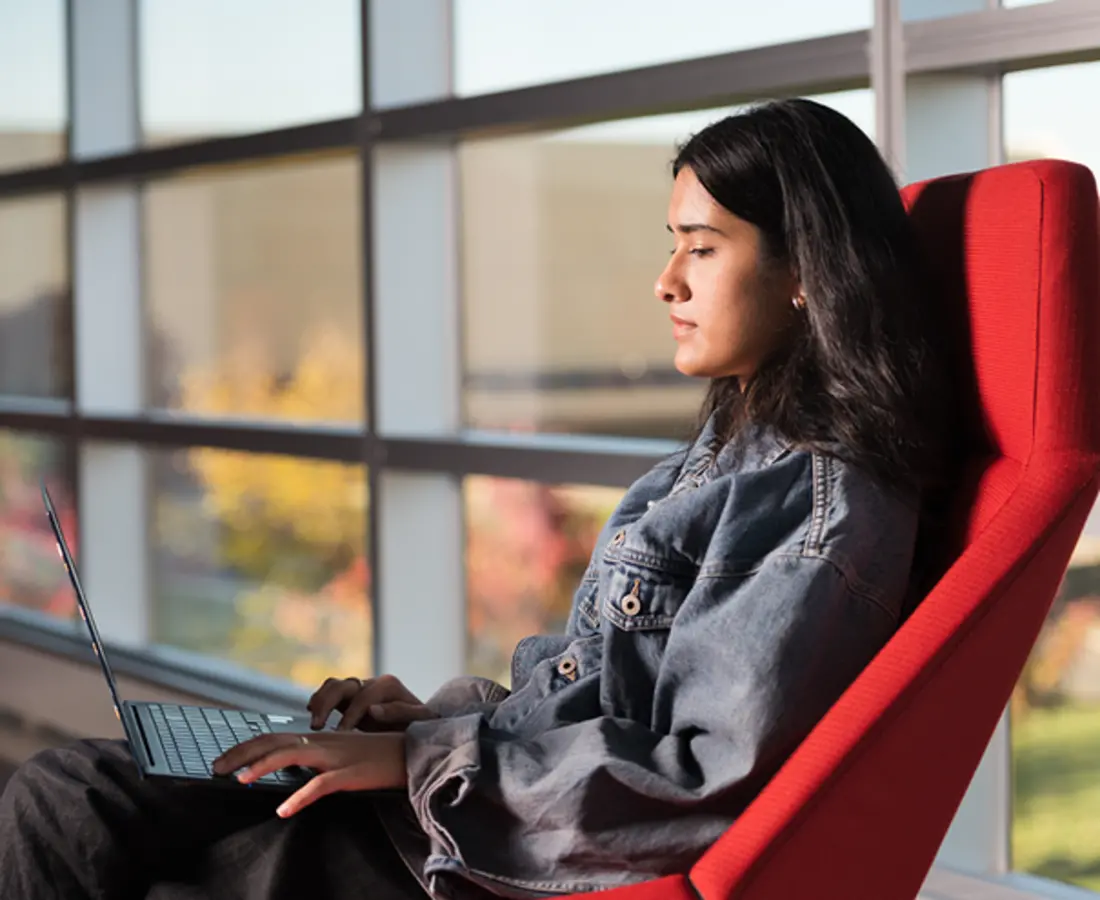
<point x="866" y="375"/>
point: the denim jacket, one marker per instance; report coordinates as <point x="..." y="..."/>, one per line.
<point x="733" y="595"/>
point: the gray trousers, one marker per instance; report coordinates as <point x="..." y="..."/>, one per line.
<point x="78" y="822"/>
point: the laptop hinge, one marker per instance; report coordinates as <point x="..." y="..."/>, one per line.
<point x="136" y="720"/>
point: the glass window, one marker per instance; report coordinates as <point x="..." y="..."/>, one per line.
<point x="502" y="44"/>
<point x="1042" y="117"/>
<point x="32" y="89"/>
<point x="1055" y="727"/>
<point x="253" y="284"/>
<point x="527" y="545"/>
<point x="261" y="560"/>
<point x="563" y="235"/>
<point x="1055" y="713"/>
<point x="213" y="68"/>
<point x="31" y="575"/>
<point x="34" y="298"/>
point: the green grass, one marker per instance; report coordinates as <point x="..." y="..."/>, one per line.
<point x="1056" y="828"/>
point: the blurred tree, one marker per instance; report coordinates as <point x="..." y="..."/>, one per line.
<point x="30" y="574"/>
<point x="298" y="520"/>
<point x="527" y="547"/>
<point x="293" y="528"/>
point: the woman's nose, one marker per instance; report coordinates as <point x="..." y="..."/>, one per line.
<point x="664" y="288"/>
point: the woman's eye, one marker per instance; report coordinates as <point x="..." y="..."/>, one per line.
<point x="695" y="251"/>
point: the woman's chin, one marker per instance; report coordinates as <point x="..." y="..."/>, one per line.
<point x="686" y="365"/>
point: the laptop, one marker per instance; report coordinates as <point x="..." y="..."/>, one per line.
<point x="173" y="742"/>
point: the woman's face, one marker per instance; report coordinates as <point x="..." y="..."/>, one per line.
<point x="730" y="305"/>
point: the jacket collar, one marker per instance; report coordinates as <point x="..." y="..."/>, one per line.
<point x="754" y="446"/>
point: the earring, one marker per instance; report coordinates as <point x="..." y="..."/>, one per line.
<point x="799" y="301"/>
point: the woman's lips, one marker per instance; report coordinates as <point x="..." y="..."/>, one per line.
<point x="681" y="327"/>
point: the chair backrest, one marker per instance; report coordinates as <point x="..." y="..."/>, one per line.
<point x="861" y="808"/>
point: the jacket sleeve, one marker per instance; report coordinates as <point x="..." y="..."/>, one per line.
<point x="750" y="665"/>
<point x="466" y="694"/>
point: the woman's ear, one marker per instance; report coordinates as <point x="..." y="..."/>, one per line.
<point x="795" y="291"/>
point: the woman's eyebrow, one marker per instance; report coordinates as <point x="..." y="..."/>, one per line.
<point x="692" y="227"/>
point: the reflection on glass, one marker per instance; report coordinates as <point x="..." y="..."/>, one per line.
<point x="1042" y="115"/>
<point x="502" y="44"/>
<point x="527" y="545"/>
<point x="31" y="574"/>
<point x="253" y="285"/>
<point x="32" y="86"/>
<point x="211" y="68"/>
<point x="1055" y="728"/>
<point x="261" y="560"/>
<point x="563" y="235"/>
<point x="34" y="320"/>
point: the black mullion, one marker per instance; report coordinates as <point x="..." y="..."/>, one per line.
<point x="332" y="135"/>
<point x="70" y="446"/>
<point x="70" y="79"/>
<point x="38" y="180"/>
<point x="341" y="444"/>
<point x="371" y="447"/>
<point x="135" y="73"/>
<point x="590" y="462"/>
<point x="831" y="63"/>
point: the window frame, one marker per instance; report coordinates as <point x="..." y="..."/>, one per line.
<point x="982" y="45"/>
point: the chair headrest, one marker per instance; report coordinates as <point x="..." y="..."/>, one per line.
<point x="1015" y="251"/>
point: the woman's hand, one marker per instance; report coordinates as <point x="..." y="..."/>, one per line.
<point x="345" y="762"/>
<point x="374" y="704"/>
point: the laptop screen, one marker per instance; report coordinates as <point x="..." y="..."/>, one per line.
<point x="81" y="600"/>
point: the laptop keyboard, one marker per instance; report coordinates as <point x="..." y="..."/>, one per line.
<point x="193" y="737"/>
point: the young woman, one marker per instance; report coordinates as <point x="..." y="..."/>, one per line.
<point x="737" y="590"/>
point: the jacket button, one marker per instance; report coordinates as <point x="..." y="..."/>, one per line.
<point x="618" y="539"/>
<point x="567" y="667"/>
<point x="631" y="605"/>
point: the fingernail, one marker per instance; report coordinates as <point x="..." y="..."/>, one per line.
<point x="283" y="810"/>
<point x="377" y="711"/>
<point x="244" y="775"/>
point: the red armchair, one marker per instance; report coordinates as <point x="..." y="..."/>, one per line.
<point x="861" y="807"/>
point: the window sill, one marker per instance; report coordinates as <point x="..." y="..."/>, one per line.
<point x="947" y="884"/>
<point x="41" y="653"/>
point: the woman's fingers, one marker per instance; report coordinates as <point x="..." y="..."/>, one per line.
<point x="354" y="698"/>
<point x="400" y="712"/>
<point x="363" y="776"/>
<point x="382" y="690"/>
<point x="250" y="753"/>
<point x="314" y="789"/>
<point x="344" y="762"/>
<point x="335" y="693"/>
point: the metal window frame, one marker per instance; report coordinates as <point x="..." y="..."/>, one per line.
<point x="999" y="40"/>
<point x="992" y="42"/>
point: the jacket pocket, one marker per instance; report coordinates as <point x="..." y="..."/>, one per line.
<point x="635" y="598"/>
<point x="584" y="617"/>
<point x="640" y="606"/>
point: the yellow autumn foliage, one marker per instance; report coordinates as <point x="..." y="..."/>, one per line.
<point x="272" y="504"/>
